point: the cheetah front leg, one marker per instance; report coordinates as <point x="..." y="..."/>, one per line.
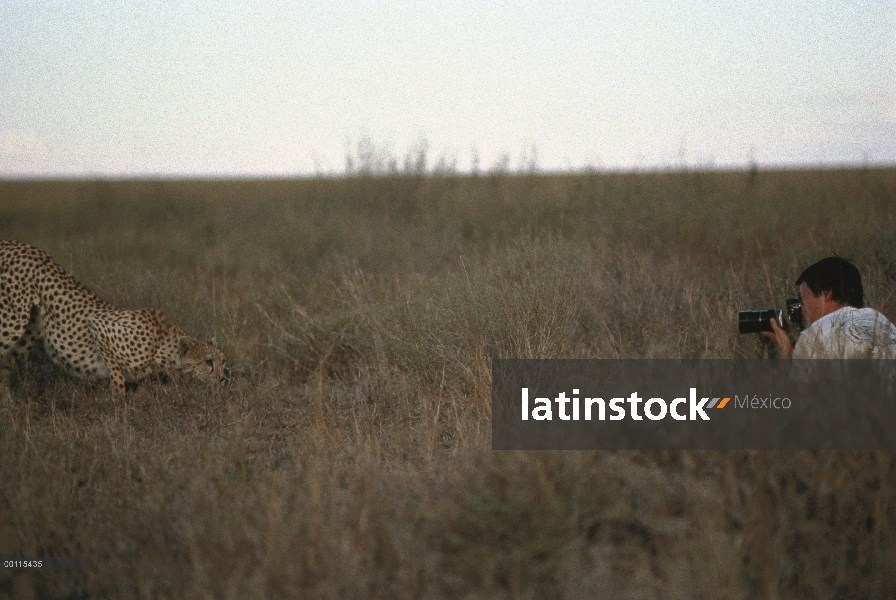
<point x="105" y="332"/>
<point x="115" y="372"/>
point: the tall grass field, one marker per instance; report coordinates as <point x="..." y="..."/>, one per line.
<point x="351" y="456"/>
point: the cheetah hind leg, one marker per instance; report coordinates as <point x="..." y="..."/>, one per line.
<point x="17" y="355"/>
<point x="5" y="379"/>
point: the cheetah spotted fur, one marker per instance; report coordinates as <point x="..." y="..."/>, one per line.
<point x="40" y="302"/>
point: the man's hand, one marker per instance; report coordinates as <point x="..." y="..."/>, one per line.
<point x="781" y="340"/>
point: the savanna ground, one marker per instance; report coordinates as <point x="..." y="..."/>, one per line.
<point x="351" y="456"/>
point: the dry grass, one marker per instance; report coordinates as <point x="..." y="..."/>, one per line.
<point x="352" y="457"/>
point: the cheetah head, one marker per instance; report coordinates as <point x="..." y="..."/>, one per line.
<point x="203" y="361"/>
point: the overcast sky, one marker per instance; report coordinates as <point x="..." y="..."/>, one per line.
<point x="287" y="88"/>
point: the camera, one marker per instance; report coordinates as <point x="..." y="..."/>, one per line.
<point x="754" y="321"/>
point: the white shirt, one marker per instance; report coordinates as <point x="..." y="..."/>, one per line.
<point x="848" y="333"/>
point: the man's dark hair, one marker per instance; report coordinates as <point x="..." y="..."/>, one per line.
<point x="838" y="276"/>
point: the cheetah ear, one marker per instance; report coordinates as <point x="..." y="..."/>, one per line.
<point x="184" y="345"/>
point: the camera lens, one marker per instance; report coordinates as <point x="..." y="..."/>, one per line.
<point x="754" y="321"/>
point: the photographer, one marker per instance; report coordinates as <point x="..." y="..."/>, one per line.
<point x="838" y="325"/>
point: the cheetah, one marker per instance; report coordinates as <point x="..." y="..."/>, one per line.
<point x="88" y="338"/>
